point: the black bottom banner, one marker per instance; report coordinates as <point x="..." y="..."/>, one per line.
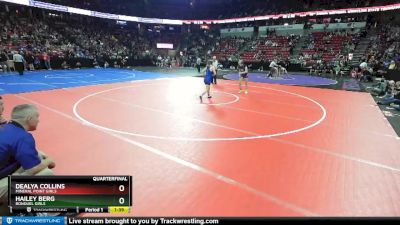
<point x="180" y="220"/>
<point x="212" y="221"/>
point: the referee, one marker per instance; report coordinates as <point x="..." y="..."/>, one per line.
<point x="215" y="64"/>
<point x="19" y="63"/>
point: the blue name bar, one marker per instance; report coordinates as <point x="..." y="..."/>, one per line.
<point x="10" y="220"/>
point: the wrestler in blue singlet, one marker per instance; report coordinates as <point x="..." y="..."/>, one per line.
<point x="208" y="78"/>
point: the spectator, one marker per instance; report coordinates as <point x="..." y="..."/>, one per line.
<point x="3" y="61"/>
<point x="380" y="88"/>
<point x="46" y="59"/>
<point x="64" y="65"/>
<point x="30" y="60"/>
<point x="36" y="63"/>
<point x="394" y="98"/>
<point x="78" y="65"/>
<point x="390" y="90"/>
<point x="95" y="64"/>
<point x="2" y="120"/>
<point x="18" y="153"/>
<point x="355" y="73"/>
<point x="392" y="65"/>
<point x="365" y="72"/>
<point x="123" y="62"/>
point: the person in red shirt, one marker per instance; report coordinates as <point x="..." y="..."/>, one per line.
<point x="46" y="59"/>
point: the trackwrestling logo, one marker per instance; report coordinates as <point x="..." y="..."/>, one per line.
<point x="33" y="220"/>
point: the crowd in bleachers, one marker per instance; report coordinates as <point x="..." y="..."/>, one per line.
<point x="384" y="49"/>
<point x="34" y="39"/>
<point x="270" y="47"/>
<point x="382" y="56"/>
<point x="327" y="45"/>
<point x="328" y="51"/>
<point x="43" y="40"/>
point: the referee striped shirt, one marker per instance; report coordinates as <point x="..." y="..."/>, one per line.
<point x="18" y="58"/>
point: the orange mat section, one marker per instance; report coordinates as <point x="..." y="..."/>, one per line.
<point x="277" y="151"/>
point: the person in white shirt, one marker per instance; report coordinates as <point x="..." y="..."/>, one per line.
<point x="273" y="66"/>
<point x="364" y="66"/>
<point x="198" y="64"/>
<point x="215" y="65"/>
<point x="366" y="72"/>
<point x="159" y="61"/>
<point x="19" y="63"/>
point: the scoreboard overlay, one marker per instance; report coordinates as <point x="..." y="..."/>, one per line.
<point x="79" y="194"/>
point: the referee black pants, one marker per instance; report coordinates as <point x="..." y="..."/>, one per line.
<point x="198" y="68"/>
<point x="19" y="66"/>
